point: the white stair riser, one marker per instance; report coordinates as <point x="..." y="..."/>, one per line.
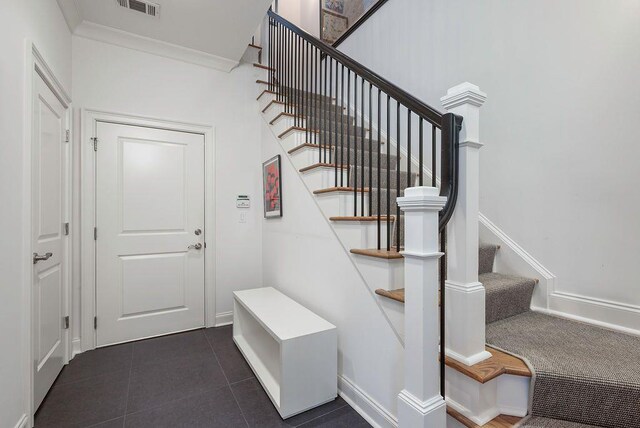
<point x="283" y="123"/>
<point x="273" y="111"/>
<point x="265" y="99"/>
<point x="251" y="55"/>
<point x="339" y="203"/>
<point x="506" y="394"/>
<point x="387" y="274"/>
<point x="292" y="139"/>
<point x="361" y="234"/>
<point x="324" y="177"/>
<point x="304" y="157"/>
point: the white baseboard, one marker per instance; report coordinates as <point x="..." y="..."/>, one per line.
<point x="23" y="422"/>
<point x="367" y="407"/>
<point x="76" y="347"/>
<point x="603" y="313"/>
<point x="224" y="318"/>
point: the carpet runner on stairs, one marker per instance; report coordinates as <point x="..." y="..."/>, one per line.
<point x="584" y="375"/>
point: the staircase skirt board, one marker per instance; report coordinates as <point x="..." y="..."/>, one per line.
<point x="583" y="373"/>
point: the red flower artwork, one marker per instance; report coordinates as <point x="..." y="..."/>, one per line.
<point x="272" y="197"/>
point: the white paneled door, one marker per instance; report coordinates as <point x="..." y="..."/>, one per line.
<point x="150" y="244"/>
<point x="48" y="160"/>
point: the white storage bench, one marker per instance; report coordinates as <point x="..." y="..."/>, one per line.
<point x="292" y="351"/>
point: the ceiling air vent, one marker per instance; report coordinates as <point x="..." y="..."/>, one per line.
<point x="148" y="8"/>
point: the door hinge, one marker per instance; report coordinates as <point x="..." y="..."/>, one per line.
<point x="205" y="245"/>
<point x="66" y="322"/>
<point x="95" y="233"/>
<point x="67" y="137"/>
<point x="95" y="143"/>
<point x="66" y="229"/>
<point x="95" y="323"/>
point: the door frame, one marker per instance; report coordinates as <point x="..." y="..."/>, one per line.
<point x="36" y="64"/>
<point x="89" y="121"/>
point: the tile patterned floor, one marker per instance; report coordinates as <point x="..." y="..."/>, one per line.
<point x="193" y="379"/>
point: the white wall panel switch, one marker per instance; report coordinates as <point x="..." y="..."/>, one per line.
<point x="243" y="201"/>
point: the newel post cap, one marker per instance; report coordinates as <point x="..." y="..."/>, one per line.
<point x="422" y="198"/>
<point x="464" y="93"/>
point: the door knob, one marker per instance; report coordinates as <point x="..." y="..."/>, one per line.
<point x="37" y="257"/>
<point x="197" y="246"/>
<point x="198" y="231"/>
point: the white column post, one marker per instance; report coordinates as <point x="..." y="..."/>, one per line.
<point x="465" y="296"/>
<point x="420" y="404"/>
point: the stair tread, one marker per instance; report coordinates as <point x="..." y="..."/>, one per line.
<point x="381" y="254"/>
<point x="591" y="370"/>
<point x="321" y="165"/>
<point x="397" y="295"/>
<point x="500" y="363"/>
<point x="251" y="45"/>
<point x="540" y="422"/>
<point x="486" y="257"/>
<point x="339" y="189"/>
<point x="361" y="218"/>
<point x="266" y="67"/>
<point x="500" y="421"/>
<point x="506" y="295"/>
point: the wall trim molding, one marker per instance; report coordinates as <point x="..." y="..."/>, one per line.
<point x="603" y="313"/>
<point x="101" y="33"/>
<point x="23" y="422"/>
<point x="372" y="411"/>
<point x="223" y="318"/>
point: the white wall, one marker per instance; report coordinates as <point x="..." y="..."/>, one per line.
<point x="303" y="13"/>
<point x="304" y="259"/>
<point x="559" y="168"/>
<point x="42" y="22"/>
<point x="121" y="80"/>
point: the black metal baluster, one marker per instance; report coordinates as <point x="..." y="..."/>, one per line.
<point x="379" y="143"/>
<point x="362" y="146"/>
<point x="354" y="171"/>
<point x="397" y="223"/>
<point x="388" y="172"/>
<point x="327" y="102"/>
<point x="329" y="64"/>
<point x="420" y="166"/>
<point x="305" y="93"/>
<point x="409" y="183"/>
<point x="342" y="128"/>
<point x="270" y="46"/>
<point x="434" y="172"/>
<point x="370" y="151"/>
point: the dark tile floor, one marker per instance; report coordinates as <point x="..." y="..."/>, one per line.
<point x="193" y="379"/>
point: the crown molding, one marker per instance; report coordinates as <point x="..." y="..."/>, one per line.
<point x="71" y="12"/>
<point x="101" y="33"/>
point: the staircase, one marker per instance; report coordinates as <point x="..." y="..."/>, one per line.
<point x="352" y="147"/>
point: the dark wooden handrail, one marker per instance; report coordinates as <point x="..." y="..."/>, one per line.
<point x="405" y="98"/>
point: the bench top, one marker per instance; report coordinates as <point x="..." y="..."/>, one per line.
<point x="282" y="317"/>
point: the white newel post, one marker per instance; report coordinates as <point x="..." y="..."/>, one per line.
<point x="420" y="404"/>
<point x="465" y="296"/>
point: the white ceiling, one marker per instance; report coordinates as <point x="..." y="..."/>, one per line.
<point x="209" y="30"/>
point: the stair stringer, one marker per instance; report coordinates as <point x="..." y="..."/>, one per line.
<point x="370" y="381"/>
<point x="375" y="273"/>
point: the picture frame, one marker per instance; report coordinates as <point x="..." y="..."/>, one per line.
<point x="333" y="25"/>
<point x="272" y="187"/>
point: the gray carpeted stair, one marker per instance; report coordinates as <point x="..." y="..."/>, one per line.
<point x="584" y="375"/>
<point x="486" y="256"/>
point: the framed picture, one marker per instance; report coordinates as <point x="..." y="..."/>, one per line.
<point x="334" y="5"/>
<point x="333" y="25"/>
<point x="272" y="185"/>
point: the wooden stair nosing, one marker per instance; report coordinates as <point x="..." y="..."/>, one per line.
<point x="251" y="45"/>
<point x="265" y="67"/>
<point x="310" y="145"/>
<point x="500" y="421"/>
<point x="270" y="104"/>
<point x="362" y="218"/>
<point x="397" y="295"/>
<point x="380" y="254"/>
<point x="324" y="165"/>
<point x="340" y="189"/>
<point x="298" y="128"/>
<point x="284" y="113"/>
<point x="266" y="91"/>
<point x="500" y="363"/>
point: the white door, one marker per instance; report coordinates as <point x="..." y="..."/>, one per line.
<point x="150" y="232"/>
<point x="49" y="154"/>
